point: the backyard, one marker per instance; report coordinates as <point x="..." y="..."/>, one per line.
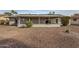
<point x="52" y="37"/>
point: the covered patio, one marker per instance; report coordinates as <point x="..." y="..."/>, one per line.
<point x="37" y="20"/>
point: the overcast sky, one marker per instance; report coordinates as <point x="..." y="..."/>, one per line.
<point x="63" y="12"/>
<point x="69" y="7"/>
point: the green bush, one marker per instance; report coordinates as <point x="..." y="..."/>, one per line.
<point x="65" y="20"/>
<point x="2" y="22"/>
<point x="29" y="23"/>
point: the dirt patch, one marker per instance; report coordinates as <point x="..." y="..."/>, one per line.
<point x="39" y="37"/>
<point x="12" y="43"/>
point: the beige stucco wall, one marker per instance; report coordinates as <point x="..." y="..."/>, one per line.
<point x="3" y="18"/>
<point x="41" y="24"/>
<point x="19" y="24"/>
<point x="37" y="22"/>
<point x="75" y="22"/>
<point x="11" y="21"/>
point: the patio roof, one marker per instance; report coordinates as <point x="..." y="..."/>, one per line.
<point x="36" y="15"/>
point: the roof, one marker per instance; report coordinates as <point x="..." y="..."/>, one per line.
<point x="2" y="15"/>
<point x="36" y="15"/>
<point x="75" y="16"/>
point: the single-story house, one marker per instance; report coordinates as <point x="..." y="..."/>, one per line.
<point x="75" y="19"/>
<point x="2" y="17"/>
<point x="3" y="20"/>
<point x="38" y="20"/>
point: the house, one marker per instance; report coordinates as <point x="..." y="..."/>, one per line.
<point x="2" y="17"/>
<point x="38" y="20"/>
<point x="75" y="19"/>
<point x="3" y="20"/>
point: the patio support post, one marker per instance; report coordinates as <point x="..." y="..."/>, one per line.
<point x="39" y="20"/>
<point x="58" y="20"/>
<point x="19" y="21"/>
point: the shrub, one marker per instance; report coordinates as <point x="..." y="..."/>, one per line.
<point x="65" y="20"/>
<point x="2" y="22"/>
<point x="29" y="23"/>
<point x="6" y="22"/>
<point x="67" y="31"/>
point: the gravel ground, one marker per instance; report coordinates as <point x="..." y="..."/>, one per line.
<point x="13" y="37"/>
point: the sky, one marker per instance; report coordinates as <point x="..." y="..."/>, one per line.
<point x="39" y="4"/>
<point x="64" y="7"/>
<point x="63" y="12"/>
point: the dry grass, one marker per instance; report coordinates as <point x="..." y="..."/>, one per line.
<point x="39" y="37"/>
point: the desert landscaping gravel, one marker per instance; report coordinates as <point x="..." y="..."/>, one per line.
<point x="14" y="37"/>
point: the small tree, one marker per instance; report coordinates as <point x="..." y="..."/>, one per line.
<point x="7" y="13"/>
<point x="65" y="20"/>
<point x="29" y="23"/>
<point x="13" y="12"/>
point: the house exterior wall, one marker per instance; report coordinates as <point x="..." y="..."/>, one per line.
<point x="53" y="21"/>
<point x="11" y="21"/>
<point x="42" y="21"/>
<point x="2" y="17"/>
<point x="56" y="21"/>
<point x="75" y="19"/>
<point x="37" y="21"/>
<point x="75" y="22"/>
<point x="20" y="24"/>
